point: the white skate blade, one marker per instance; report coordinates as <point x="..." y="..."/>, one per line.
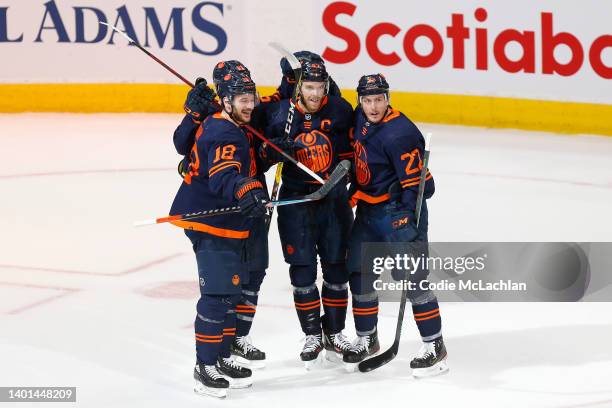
<point x="203" y="390"/>
<point x="437" y="369"/>
<point x="333" y="357"/>
<point x="312" y="364"/>
<point x="252" y="364"/>
<point x="239" y="382"/>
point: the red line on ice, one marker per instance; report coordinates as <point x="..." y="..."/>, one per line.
<point x="65" y="292"/>
<point x="120" y="273"/>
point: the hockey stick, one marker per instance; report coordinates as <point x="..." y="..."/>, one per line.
<point x="382" y="359"/>
<point x="338" y="174"/>
<point x="141" y="48"/>
<point x="296" y="66"/>
<point x="259" y="135"/>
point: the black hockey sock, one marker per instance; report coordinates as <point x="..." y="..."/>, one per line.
<point x="308" y="308"/>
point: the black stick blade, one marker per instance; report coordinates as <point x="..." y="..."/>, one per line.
<point x="337" y="175"/>
<point x="378" y="361"/>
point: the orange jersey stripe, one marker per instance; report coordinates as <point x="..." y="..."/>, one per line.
<point x="225" y="166"/>
<point x="360" y="195"/>
<point x="216" y="166"/>
<point x="216" y="231"/>
<point x="391" y="115"/>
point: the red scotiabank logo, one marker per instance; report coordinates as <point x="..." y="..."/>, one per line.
<point x="459" y="34"/>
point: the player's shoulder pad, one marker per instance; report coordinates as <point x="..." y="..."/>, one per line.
<point x="401" y="130"/>
<point x="220" y="130"/>
<point x="277" y="112"/>
<point x="339" y="103"/>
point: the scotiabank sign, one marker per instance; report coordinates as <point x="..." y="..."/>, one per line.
<point x="538" y="45"/>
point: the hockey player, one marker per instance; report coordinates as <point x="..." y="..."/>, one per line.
<point x="318" y="139"/>
<point x="220" y="174"/>
<point x="388" y="150"/>
<point x="200" y="104"/>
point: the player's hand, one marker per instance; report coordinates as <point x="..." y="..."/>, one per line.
<point x="271" y="155"/>
<point x="251" y="197"/>
<point x="199" y="100"/>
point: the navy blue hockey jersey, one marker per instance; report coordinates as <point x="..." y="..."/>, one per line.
<point x="220" y="157"/>
<point x="387" y="152"/>
<point x="321" y="138"/>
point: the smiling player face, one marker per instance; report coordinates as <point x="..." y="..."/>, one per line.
<point x="242" y="107"/>
<point x="374" y="107"/>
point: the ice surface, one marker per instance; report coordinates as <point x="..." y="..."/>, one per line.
<point x="87" y="300"/>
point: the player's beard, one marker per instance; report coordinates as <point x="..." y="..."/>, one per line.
<point x="242" y="116"/>
<point x="312" y="106"/>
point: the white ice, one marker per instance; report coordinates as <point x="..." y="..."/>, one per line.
<point x="87" y="300"/>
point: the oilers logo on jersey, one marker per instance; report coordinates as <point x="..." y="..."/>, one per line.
<point x="362" y="171"/>
<point x="314" y="150"/>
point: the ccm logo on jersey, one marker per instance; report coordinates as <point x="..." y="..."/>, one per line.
<point x="545" y="39"/>
<point x="397" y="224"/>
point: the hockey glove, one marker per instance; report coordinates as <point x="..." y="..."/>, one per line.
<point x="271" y="155"/>
<point x="251" y="197"/>
<point x="199" y="101"/>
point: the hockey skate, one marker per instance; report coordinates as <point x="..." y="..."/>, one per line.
<point x="362" y="347"/>
<point x="209" y="382"/>
<point x="335" y="346"/>
<point x="238" y="376"/>
<point x="247" y="354"/>
<point x="430" y="360"/>
<point x="313" y="346"/>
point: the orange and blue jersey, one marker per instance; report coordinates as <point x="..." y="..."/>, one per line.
<point x="385" y="153"/>
<point x="321" y="138"/>
<point x="220" y="157"/>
